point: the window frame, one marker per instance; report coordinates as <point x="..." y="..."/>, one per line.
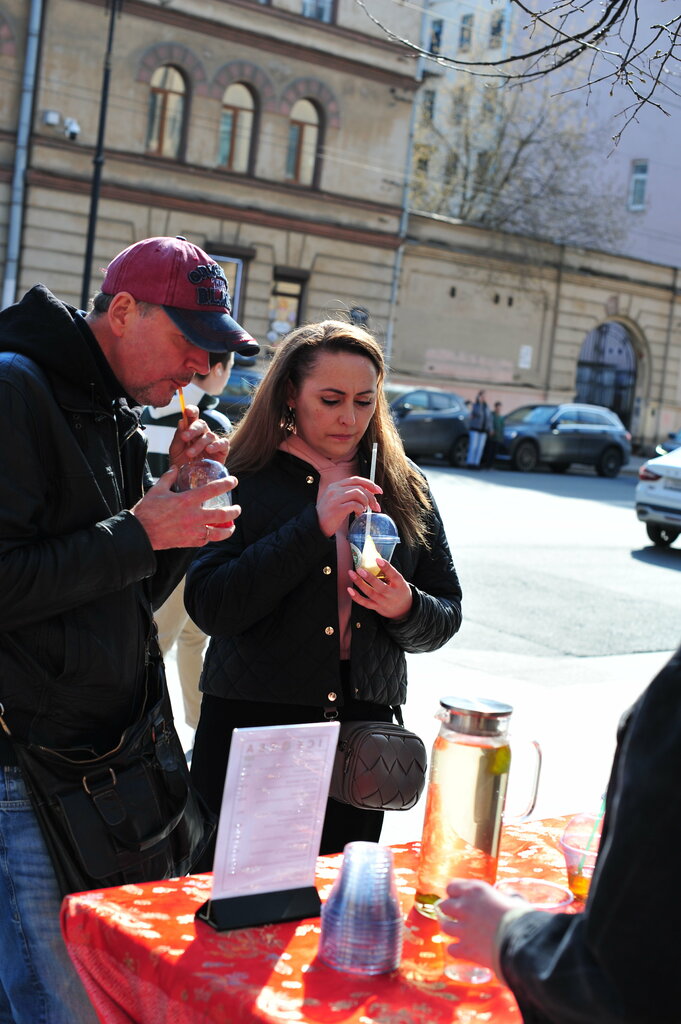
<point x="466" y="32"/>
<point x="250" y="158"/>
<point x="311" y="8"/>
<point x="300" y="145"/>
<point x="638" y="179"/>
<point x="162" y="119"/>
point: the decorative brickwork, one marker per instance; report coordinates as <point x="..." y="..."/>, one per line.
<point x="248" y="73"/>
<point x="179" y="56"/>
<point x="311" y="89"/>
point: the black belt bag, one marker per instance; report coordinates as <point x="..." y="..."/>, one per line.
<point x="130" y="815"/>
<point x="378" y="766"/>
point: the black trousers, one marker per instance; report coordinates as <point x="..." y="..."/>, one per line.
<point x="342" y="823"/>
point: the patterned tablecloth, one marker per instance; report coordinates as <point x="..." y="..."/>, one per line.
<point x="144" y="959"/>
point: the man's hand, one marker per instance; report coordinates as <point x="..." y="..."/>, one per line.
<point x="474" y="909"/>
<point x="194" y="440"/>
<point x="177" y="520"/>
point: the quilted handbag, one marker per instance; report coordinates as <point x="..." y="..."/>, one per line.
<point x="379" y="766"/>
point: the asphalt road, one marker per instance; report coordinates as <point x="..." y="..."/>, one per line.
<point x="569" y="611"/>
<point x="557" y="565"/>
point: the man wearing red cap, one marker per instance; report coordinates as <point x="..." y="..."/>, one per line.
<point x="89" y="547"/>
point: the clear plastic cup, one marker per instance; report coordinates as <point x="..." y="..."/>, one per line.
<point x="541" y="894"/>
<point x="362" y="924"/>
<point x="199" y="472"/>
<point x="579" y="844"/>
<point x="371" y="536"/>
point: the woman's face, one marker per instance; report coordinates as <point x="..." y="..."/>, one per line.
<point x="335" y="402"/>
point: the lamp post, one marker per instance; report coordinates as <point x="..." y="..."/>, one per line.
<point x="115" y="6"/>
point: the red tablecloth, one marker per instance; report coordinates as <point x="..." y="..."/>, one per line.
<point x="144" y="959"/>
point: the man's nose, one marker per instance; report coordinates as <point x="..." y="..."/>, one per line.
<point x="199" y="360"/>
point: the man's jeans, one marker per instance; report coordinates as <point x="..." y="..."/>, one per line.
<point x="38" y="982"/>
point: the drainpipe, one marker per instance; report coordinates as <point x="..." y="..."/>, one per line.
<point x="16" y="207"/>
<point x="554" y="323"/>
<point x="668" y="338"/>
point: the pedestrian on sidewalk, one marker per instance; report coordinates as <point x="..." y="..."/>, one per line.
<point x="88" y="547"/>
<point x="298" y="634"/>
<point x="480" y="424"/>
<point x="175" y="628"/>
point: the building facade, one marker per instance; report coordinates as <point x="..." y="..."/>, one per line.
<point x="266" y="133"/>
<point x="278" y="136"/>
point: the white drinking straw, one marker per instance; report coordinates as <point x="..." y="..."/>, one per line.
<point x="372" y="474"/>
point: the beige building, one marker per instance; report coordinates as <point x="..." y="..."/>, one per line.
<point x="265" y="133"/>
<point x="276" y="136"/>
<point x="535" y="322"/>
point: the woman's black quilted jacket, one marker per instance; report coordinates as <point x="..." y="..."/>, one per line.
<point x="267" y="597"/>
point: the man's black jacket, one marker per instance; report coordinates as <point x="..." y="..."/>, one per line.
<point x="78" y="572"/>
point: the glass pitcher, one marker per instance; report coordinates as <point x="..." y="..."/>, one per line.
<point x="469" y="768"/>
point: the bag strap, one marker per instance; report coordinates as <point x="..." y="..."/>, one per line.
<point x="331" y="714"/>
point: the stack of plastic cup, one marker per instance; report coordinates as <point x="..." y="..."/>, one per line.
<point x="361" y="920"/>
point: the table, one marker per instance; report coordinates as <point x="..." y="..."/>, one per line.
<point x="145" y="960"/>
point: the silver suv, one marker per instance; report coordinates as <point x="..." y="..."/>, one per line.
<point x="559" y="435"/>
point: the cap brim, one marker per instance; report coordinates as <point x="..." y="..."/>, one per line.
<point x="214" y="332"/>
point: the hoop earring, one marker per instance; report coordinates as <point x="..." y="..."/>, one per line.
<point x="290" y="420"/>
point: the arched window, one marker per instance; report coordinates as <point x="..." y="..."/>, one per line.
<point x="236" y="128"/>
<point x="303" y="135"/>
<point x="167" y="100"/>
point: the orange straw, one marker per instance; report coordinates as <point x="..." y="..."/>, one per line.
<point x="183" y="407"/>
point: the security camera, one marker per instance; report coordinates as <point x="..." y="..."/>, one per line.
<point x="71" y="128"/>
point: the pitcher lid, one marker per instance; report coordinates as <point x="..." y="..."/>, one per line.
<point x="478" y="716"/>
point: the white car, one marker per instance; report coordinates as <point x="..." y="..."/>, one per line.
<point x="658" y="497"/>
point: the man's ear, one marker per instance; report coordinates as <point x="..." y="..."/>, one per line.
<point x="119" y="312"/>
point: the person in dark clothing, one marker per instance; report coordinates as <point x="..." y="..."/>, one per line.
<point x="89" y="547"/>
<point x="480" y="425"/>
<point x="495" y="438"/>
<point x="617" y="962"/>
<point x="296" y="634"/>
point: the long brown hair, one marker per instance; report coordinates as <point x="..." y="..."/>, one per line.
<point x="267" y="421"/>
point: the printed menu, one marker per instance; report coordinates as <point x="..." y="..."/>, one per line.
<point x="273" y="807"/>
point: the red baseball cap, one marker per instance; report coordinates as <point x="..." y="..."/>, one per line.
<point x="188" y="284"/>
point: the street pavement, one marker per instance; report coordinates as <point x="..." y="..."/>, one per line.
<point x="570" y="705"/>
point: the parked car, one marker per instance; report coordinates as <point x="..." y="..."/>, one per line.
<point x="238" y="391"/>
<point x="430" y="421"/>
<point x="559" y="435"/>
<point x="672" y="441"/>
<point x="658" y="497"/>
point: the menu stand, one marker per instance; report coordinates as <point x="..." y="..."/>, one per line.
<point x="260" y="908"/>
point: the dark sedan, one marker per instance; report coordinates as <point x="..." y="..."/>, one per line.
<point x="559" y="435"/>
<point x="430" y="421"/>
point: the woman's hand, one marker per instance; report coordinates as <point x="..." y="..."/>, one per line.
<point x="353" y="494"/>
<point x="475" y="909"/>
<point x="392" y="597"/>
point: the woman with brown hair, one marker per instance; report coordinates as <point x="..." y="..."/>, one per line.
<point x="295" y="630"/>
